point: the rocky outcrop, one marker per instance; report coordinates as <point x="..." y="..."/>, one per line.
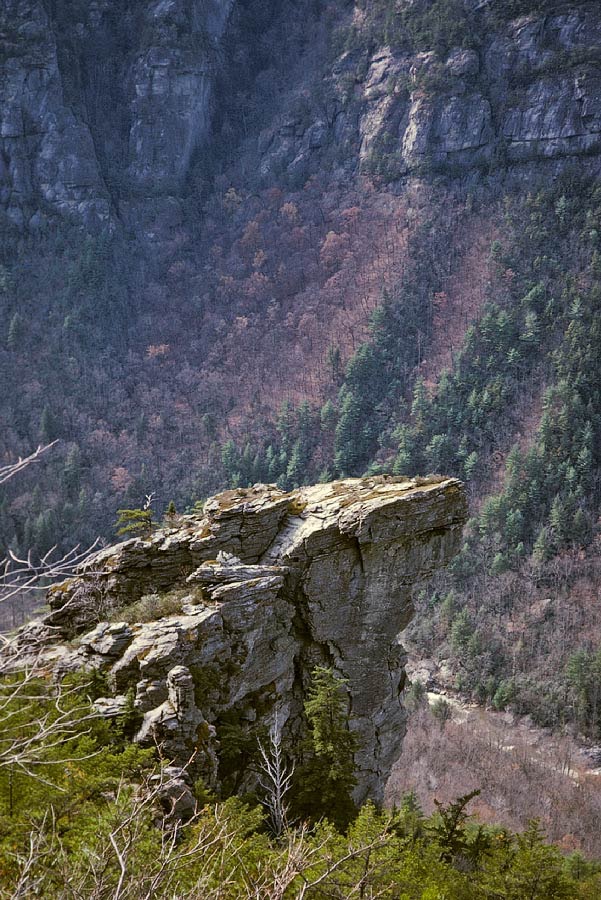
<point x="530" y="92"/>
<point x="527" y="91"/>
<point x="47" y="156"/>
<point x="267" y="585"/>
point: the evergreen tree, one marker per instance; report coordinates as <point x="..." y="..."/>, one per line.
<point x="134" y="522"/>
<point x="328" y="416"/>
<point x="296" y="466"/>
<point x="324" y="782"/>
<point x="48" y="425"/>
<point x="72" y="472"/>
<point x="543" y="547"/>
<point x="560" y="520"/>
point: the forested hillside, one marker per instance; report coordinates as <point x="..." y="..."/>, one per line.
<point x="287" y="242"/>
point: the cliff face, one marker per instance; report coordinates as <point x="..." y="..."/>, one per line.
<point x="526" y="94"/>
<point x="268" y="585"/>
<point x="531" y="92"/>
<point x="102" y="104"/>
<point x="103" y="108"/>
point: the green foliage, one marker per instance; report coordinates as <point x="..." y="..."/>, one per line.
<point x="323" y="784"/>
<point x="134" y="521"/>
<point x="87" y="809"/>
<point x="346" y="437"/>
<point x="226" y="851"/>
<point x="504" y="695"/>
<point x="75" y="764"/>
<point x="461" y="631"/>
<point x="438" y="25"/>
<point x="441" y="710"/>
<point x="16" y="332"/>
<point x="151" y="607"/>
<point x="415" y="695"/>
<point x="448" y="828"/>
<point x="583" y="676"/>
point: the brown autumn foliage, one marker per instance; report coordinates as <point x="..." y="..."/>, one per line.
<point x="522" y="773"/>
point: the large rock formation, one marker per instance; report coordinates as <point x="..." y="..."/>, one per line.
<point x="525" y="96"/>
<point x="104" y="105"/>
<point x="248" y="598"/>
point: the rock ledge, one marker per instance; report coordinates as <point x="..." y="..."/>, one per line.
<point x="266" y="585"/>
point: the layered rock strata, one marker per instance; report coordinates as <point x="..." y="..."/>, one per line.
<point x="267" y="585"/>
<point x="103" y="106"/>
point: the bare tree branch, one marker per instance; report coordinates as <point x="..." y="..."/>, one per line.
<point x="34" y="722"/>
<point x="21" y="574"/>
<point x="8" y="471"/>
<point x="275" y="777"/>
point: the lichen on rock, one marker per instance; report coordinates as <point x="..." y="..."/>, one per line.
<point x="279" y="583"/>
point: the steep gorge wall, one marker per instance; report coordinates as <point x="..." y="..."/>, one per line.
<point x="102" y="101"/>
<point x="513" y="96"/>
<point x="104" y="107"/>
<point x="271" y="584"/>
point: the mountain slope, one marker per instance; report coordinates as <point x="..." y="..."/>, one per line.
<point x="242" y="242"/>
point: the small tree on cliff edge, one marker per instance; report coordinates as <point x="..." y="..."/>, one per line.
<point x="325" y="781"/>
<point x="136" y="521"/>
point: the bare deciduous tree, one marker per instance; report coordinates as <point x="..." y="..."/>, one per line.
<point x="48" y="715"/>
<point x="20" y="573"/>
<point x="207" y="853"/>
<point x="46" y="719"/>
<point x="275" y="777"/>
<point x="11" y="469"/>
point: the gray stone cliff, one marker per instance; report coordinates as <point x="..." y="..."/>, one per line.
<point x="102" y="104"/>
<point x="268" y="585"/>
<point x="526" y="97"/>
<point x="102" y="107"/>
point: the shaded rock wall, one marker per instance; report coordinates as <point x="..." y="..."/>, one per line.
<point x="270" y="585"/>
<point x="103" y="106"/>
<point x="101" y="103"/>
<point x="527" y="94"/>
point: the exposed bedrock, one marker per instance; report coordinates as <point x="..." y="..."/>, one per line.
<point x="104" y="105"/>
<point x="268" y="584"/>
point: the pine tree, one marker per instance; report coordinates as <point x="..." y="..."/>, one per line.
<point x="324" y="783"/>
<point x="420" y="407"/>
<point x="48" y="425"/>
<point x="448" y="828"/>
<point x="296" y="466"/>
<point x="171" y="514"/>
<point x="469" y="466"/>
<point x="16" y="332"/>
<point x="72" y="471"/>
<point x="230" y="459"/>
<point x="461" y="631"/>
<point x="560" y="519"/>
<point x="543" y="547"/>
<point x="350" y="447"/>
<point x="134" y="521"/>
<point x="582" y="528"/>
<point x="328" y="416"/>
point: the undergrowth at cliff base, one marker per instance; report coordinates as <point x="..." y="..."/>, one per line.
<point x="83" y="817"/>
